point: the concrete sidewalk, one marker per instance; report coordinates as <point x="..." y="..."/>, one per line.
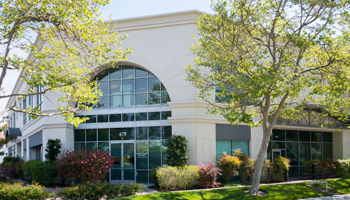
<point x="335" y="197"/>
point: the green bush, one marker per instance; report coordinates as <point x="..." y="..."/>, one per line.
<point x="97" y="190"/>
<point x="343" y="168"/>
<point x="266" y="171"/>
<point x="246" y="169"/>
<point x="178" y="178"/>
<point x="280" y="166"/>
<point x="19" y="192"/>
<point x="177" y="149"/>
<point x="229" y="166"/>
<point x="39" y="172"/>
<point x="53" y="148"/>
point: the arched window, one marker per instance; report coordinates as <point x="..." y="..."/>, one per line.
<point x="129" y="86"/>
<point x="130" y="121"/>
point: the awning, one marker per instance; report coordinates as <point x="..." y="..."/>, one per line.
<point x="13" y="133"/>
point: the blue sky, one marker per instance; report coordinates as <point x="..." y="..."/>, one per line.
<point x="119" y="9"/>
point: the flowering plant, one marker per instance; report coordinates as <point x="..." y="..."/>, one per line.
<point x="84" y="165"/>
<point x="229" y="166"/>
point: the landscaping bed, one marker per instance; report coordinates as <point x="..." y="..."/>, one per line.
<point x="274" y="191"/>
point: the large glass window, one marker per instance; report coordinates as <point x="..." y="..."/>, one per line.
<point x="300" y="146"/>
<point x="230" y="146"/>
<point x="128" y="86"/>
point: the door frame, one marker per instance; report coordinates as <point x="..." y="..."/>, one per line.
<point x="122" y="142"/>
<point x="276" y="150"/>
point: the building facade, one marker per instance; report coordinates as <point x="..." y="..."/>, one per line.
<point x="147" y="98"/>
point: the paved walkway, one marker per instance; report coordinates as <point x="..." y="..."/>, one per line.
<point x="335" y="197"/>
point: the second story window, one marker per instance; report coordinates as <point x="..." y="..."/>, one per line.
<point x="39" y="98"/>
<point x="24" y="106"/>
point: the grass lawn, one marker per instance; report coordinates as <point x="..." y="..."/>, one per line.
<point x="282" y="191"/>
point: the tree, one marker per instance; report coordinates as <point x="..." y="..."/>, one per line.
<point x="65" y="41"/>
<point x="53" y="148"/>
<point x="272" y="59"/>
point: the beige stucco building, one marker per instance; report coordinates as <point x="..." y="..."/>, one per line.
<point x="147" y="99"/>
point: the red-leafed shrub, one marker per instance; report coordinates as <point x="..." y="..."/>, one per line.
<point x="84" y="165"/>
<point x="209" y="175"/>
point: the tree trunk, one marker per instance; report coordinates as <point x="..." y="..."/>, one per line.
<point x="254" y="190"/>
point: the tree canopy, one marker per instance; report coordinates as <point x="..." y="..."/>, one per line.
<point x="65" y="40"/>
<point x="261" y="60"/>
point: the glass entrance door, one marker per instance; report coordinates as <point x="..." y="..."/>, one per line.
<point x="276" y="153"/>
<point x="123" y="170"/>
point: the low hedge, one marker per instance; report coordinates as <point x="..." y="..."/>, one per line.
<point x="19" y="192"/>
<point x="39" y="172"/>
<point x="343" y="168"/>
<point x="97" y="190"/>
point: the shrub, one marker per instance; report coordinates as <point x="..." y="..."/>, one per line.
<point x="229" y="166"/>
<point x="19" y="192"/>
<point x="97" y="190"/>
<point x="323" y="168"/>
<point x="178" y="178"/>
<point x="266" y="171"/>
<point x="209" y="176"/>
<point x="177" y="149"/>
<point x="41" y="172"/>
<point x="53" y="148"/>
<point x="246" y="169"/>
<point x="280" y="166"/>
<point x="84" y="165"/>
<point x="343" y="168"/>
<point x="12" y="167"/>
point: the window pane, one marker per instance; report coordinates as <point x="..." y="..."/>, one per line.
<point x="278" y="145"/>
<point x="115" y="73"/>
<point x="91" y="145"/>
<point x="78" y="146"/>
<point x="128" y="100"/>
<point x="128" y="72"/>
<point x="155" y="154"/>
<point x="142" y="177"/>
<point x="116" y="101"/>
<point x="141" y="133"/>
<point x="165" y="97"/>
<point x="154" y="116"/>
<point x="79" y="135"/>
<point x="223" y="146"/>
<point x="126" y="117"/>
<point x="166" y="132"/>
<point x="278" y="135"/>
<point x="153" y="85"/>
<point x="141" y="116"/>
<point x="103" y="86"/>
<point x="141" y="99"/>
<point x="243" y="145"/>
<point x="154" y="98"/>
<point x="304" y="152"/>
<point x="103" y="134"/>
<point x="165" y="115"/>
<point x="91" y="135"/>
<point x="292" y="135"/>
<point x="327" y="151"/>
<point x="103" y="146"/>
<point x="141" y="73"/>
<point x="115" y="118"/>
<point x="122" y="133"/>
<point x="151" y="75"/>
<point x="92" y="119"/>
<point x="128" y="86"/>
<point x="102" y="118"/>
<point x="103" y="103"/>
<point x="115" y="87"/>
<point x="304" y="136"/>
<point x="164" y="152"/>
<point x="327" y="137"/>
<point x="292" y="153"/>
<point x="142" y="155"/>
<point x="141" y="85"/>
<point x="316" y="151"/>
<point x="316" y="137"/>
<point x="154" y="133"/>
